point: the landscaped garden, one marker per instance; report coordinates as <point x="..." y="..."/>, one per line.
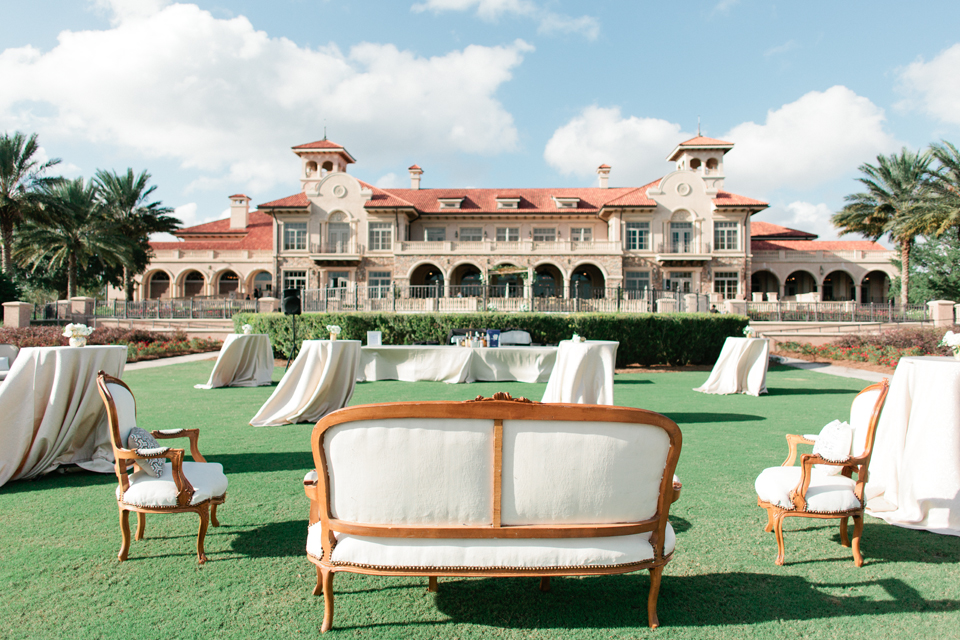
<point x="61" y="535"/>
<point x="884" y="349"/>
<point x="141" y="344"/>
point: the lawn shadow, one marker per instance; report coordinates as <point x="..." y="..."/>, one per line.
<point x="264" y="462"/>
<point x="883" y="543"/>
<point x="619" y="381"/>
<point x="679" y="524"/>
<point x="692" y="418"/>
<point x="780" y="391"/>
<point x="74" y="478"/>
<point x="274" y="540"/>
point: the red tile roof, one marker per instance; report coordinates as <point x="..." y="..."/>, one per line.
<point x="257" y="236"/>
<point x="701" y="141"/>
<point x="320" y="144"/>
<point x="727" y="199"/>
<point x="816" y="245"/>
<point x="768" y="230"/>
<point x="296" y="201"/>
<point x="239" y="195"/>
<point x="414" y="167"/>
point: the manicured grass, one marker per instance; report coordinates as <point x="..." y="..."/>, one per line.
<point x="60" y="536"/>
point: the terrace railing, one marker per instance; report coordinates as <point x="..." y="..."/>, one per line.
<point x="183" y="309"/>
<point x="848" y="311"/>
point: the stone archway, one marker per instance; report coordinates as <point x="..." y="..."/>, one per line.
<point x="158" y="285"/>
<point x="228" y="284"/>
<point x="193" y="284"/>
<point x="508" y="283"/>
<point x="587" y="281"/>
<point x="426" y="281"/>
<point x="765" y="282"/>
<point x="838" y="286"/>
<point x="799" y="282"/>
<point x="466" y="281"/>
<point x="875" y="287"/>
<point x="547" y="281"/>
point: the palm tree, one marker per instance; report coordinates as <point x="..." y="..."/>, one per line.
<point x="71" y="230"/>
<point x="21" y="179"/>
<point x="945" y="184"/>
<point x="897" y="202"/>
<point x="125" y="198"/>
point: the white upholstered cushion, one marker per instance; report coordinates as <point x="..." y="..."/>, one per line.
<point x="146" y="491"/>
<point x="860" y="412"/>
<point x="826" y="494"/>
<point x="126" y="410"/>
<point x="488" y="553"/>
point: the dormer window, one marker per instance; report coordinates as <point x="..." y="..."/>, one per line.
<point x="566" y="203"/>
<point x="508" y="201"/>
<point x="450" y="203"/>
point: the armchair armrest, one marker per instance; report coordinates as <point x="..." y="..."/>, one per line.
<point x="192" y="434"/>
<point x="312" y="489"/>
<point x="799" y="494"/>
<point x="792" y="442"/>
<point x="185" y="490"/>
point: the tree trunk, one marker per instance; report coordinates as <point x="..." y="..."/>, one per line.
<point x="72" y="275"/>
<point x="905" y="270"/>
<point x="127" y="284"/>
<point x="6" y="231"/>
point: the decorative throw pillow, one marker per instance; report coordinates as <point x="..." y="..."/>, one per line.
<point x="833" y="444"/>
<point x="141" y="439"/>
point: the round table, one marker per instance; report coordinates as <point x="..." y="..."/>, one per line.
<point x="741" y="368"/>
<point x="245" y="360"/>
<point x="583" y="373"/>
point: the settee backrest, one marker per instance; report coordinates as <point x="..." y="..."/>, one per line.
<point x="495" y="463"/>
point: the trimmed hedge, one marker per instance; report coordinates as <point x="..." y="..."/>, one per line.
<point x="645" y="338"/>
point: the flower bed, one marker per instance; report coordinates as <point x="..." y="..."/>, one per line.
<point x="141" y="344"/>
<point x="884" y="349"/>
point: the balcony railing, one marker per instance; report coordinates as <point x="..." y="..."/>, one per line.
<point x="562" y="247"/>
<point x="337" y="248"/>
<point x="691" y="247"/>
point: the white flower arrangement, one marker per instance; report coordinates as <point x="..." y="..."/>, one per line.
<point x="247" y="329"/>
<point x="491" y="307"/>
<point x="76" y="330"/>
<point x="952" y="340"/>
<point x="524" y="307"/>
<point x="333" y="329"/>
<point x="578" y="338"/>
<point x="748" y="331"/>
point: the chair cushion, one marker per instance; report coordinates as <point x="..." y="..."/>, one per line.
<point x="539" y="553"/>
<point x="147" y="491"/>
<point x="833" y="443"/>
<point x="143" y="439"/>
<point x="826" y="493"/>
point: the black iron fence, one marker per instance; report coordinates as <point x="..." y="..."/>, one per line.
<point x="836" y="312"/>
<point x="186" y="309"/>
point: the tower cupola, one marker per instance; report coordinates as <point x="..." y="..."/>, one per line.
<point x="703" y="156"/>
<point x="319" y="158"/>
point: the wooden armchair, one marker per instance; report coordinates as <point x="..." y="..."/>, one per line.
<point x="811" y="491"/>
<point x="197" y="486"/>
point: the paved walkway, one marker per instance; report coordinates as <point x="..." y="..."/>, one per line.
<point x="161" y="362"/>
<point x="835" y="370"/>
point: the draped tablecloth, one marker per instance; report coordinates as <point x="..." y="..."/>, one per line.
<point x="244" y="361"/>
<point x="320" y="380"/>
<point x="51" y="413"/>
<point x="915" y="468"/>
<point x="456" y="364"/>
<point x="741" y="368"/>
<point x="583" y="373"/>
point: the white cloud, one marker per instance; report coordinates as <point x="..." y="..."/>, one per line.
<point x="934" y="87"/>
<point x="636" y="148"/>
<point x="492" y="10"/>
<point x="724" y="6"/>
<point x="814" y="140"/>
<point x="391" y="181"/>
<point x="786" y="47"/>
<point x="228" y="101"/>
<point x="122" y="10"/>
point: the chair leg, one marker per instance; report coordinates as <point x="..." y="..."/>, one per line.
<point x="844" y="537"/>
<point x="545" y="584"/>
<point x="317" y="590"/>
<point x="124" y="533"/>
<point x="141" y="525"/>
<point x="432" y="585"/>
<point x="327" y="579"/>
<point x="778" y="528"/>
<point x="655" y="575"/>
<point x="770" y="517"/>
<point x="857" y="531"/>
<point x="213" y="515"/>
<point x="204" y="514"/>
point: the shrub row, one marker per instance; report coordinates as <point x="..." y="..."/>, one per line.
<point x="141" y="344"/>
<point x="674" y="339"/>
<point x="885" y="348"/>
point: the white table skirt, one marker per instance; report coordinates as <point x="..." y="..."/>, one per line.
<point x="320" y="380"/>
<point x="456" y="364"/>
<point x="915" y="468"/>
<point x="741" y="368"/>
<point x="244" y="361"/>
<point x="583" y="373"/>
<point x="51" y="413"/>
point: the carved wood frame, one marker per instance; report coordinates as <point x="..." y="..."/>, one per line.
<point x="123" y="458"/>
<point x="854" y="464"/>
<point x="497" y="409"/>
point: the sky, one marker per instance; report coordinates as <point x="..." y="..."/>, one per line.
<point x="210" y="96"/>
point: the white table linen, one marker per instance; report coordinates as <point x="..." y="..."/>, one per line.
<point x="244" y="361"/>
<point x="456" y="364"/>
<point x="320" y="380"/>
<point x="583" y="373"/>
<point x="915" y="468"/>
<point x="51" y="413"/>
<point x="741" y="368"/>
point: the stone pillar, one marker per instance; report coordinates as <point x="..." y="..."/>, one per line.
<point x="858" y="288"/>
<point x="666" y="305"/>
<point x="268" y="305"/>
<point x="941" y="312"/>
<point x="82" y="306"/>
<point x="17" y="314"/>
<point x="738" y="307"/>
<point x="757" y="296"/>
<point x="690" y="302"/>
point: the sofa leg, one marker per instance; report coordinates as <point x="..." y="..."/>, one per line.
<point x="326" y="576"/>
<point x="317" y="590"/>
<point x="124" y="534"/>
<point x="204" y="514"/>
<point x="844" y="537"/>
<point x="545" y="584"/>
<point x="770" y="518"/>
<point x="857" y="531"/>
<point x="655" y="575"/>
<point x="432" y="586"/>
<point x="778" y="527"/>
<point x="141" y="525"/>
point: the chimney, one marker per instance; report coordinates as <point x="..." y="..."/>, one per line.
<point x="604" y="172"/>
<point x="415" y="173"/>
<point x="239" y="211"/>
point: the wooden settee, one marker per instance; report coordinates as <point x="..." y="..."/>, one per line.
<point x="491" y="487"/>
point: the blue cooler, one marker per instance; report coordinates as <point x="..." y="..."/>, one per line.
<point x="493" y="337"/>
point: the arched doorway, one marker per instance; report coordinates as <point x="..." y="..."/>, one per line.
<point x="837" y="286"/>
<point x="193" y="284"/>
<point x="467" y="281"/>
<point x="158" y="286"/>
<point x="426" y="281"/>
<point x="262" y="284"/>
<point x="228" y="284"/>
<point x="764" y="282"/>
<point x="875" y="287"/>
<point x="547" y="281"/>
<point x="799" y="282"/>
<point x="506" y="281"/>
<point x="587" y="281"/>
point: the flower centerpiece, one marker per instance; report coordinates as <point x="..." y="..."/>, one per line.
<point x="748" y="332"/>
<point x="952" y="340"/>
<point x="334" y="331"/>
<point x="77" y="333"/>
<point x="578" y="338"/>
<point x="247" y="329"/>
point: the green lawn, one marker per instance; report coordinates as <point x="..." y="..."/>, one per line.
<point x="60" y="536"/>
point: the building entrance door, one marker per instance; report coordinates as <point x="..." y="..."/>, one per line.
<point x="338" y="237"/>
<point x="681" y="235"/>
<point x="679" y="281"/>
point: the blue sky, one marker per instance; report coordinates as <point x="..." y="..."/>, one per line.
<point x="210" y="96"/>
